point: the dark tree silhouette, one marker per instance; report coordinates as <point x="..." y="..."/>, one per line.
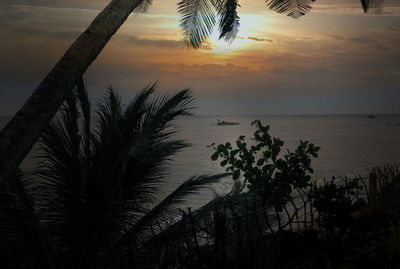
<point x="90" y="202"/>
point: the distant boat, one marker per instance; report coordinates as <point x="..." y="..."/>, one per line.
<point x="371" y="117"/>
<point x="221" y="122"/>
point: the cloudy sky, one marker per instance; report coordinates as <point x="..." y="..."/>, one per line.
<point x="334" y="60"/>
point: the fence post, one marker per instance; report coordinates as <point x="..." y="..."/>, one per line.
<point x="372" y="189"/>
<point x="220" y="237"/>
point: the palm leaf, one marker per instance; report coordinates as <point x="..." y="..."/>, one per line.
<point x="143" y="7"/>
<point x="373" y="6"/>
<point x="86" y="112"/>
<point x="150" y="148"/>
<point x="197" y="20"/>
<point x="135" y="111"/>
<point x="229" y="20"/>
<point x="109" y="112"/>
<point x="23" y="243"/>
<point x="293" y="8"/>
<point x="168" y="208"/>
<point x="167" y="211"/>
<point x="164" y="110"/>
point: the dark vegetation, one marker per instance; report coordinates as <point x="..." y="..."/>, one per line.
<point x="91" y="202"/>
<point x="341" y="223"/>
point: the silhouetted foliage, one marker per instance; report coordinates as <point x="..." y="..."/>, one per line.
<point x="234" y="231"/>
<point x="374" y="6"/>
<point x="199" y="17"/>
<point x="264" y="171"/>
<point x="294" y="9"/>
<point x="90" y="203"/>
<point x="334" y="202"/>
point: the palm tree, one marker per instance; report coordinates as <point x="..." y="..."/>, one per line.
<point x="198" y="19"/>
<point x="92" y="196"/>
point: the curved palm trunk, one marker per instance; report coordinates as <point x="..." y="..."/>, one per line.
<point x="23" y="130"/>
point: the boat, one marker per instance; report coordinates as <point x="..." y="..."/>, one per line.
<point x="371" y="117"/>
<point x="223" y="123"/>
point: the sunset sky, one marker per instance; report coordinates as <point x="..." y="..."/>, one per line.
<point x="334" y="60"/>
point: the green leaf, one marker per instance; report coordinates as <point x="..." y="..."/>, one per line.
<point x="236" y="174"/>
<point x="220" y="148"/>
<point x="215" y="156"/>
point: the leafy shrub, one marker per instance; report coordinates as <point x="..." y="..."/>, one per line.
<point x="334" y="202"/>
<point x="265" y="172"/>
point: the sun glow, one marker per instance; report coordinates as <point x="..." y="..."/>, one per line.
<point x="249" y="27"/>
<point x="220" y="46"/>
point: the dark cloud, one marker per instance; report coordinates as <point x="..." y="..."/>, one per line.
<point x="260" y="39"/>
<point x="366" y="41"/>
<point x="42" y="33"/>
<point x="79" y="4"/>
<point x="163" y="43"/>
<point x="393" y="29"/>
<point x="336" y="37"/>
<point x="375" y="39"/>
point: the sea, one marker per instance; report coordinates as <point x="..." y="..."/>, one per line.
<point x="350" y="146"/>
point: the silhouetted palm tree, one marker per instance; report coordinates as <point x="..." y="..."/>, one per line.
<point x="198" y="19"/>
<point x="91" y="199"/>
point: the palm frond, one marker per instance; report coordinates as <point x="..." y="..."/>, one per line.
<point x="109" y="145"/>
<point x="151" y="147"/>
<point x="372" y="6"/>
<point x="149" y="162"/>
<point x="109" y="112"/>
<point x="141" y="181"/>
<point x="229" y="20"/>
<point x="168" y="207"/>
<point x="23" y="242"/>
<point x="86" y="112"/>
<point x="61" y="181"/>
<point x="164" y="110"/>
<point x="167" y="210"/>
<point x="143" y="7"/>
<point x="135" y="111"/>
<point x="60" y="144"/>
<point x="293" y="8"/>
<point x="197" y="20"/>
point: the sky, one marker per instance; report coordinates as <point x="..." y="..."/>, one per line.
<point x="333" y="60"/>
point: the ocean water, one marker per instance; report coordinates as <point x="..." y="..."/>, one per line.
<point x="350" y="145"/>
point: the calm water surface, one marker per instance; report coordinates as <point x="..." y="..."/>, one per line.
<point x="350" y="145"/>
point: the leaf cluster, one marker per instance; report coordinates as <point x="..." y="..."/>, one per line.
<point x="199" y="17"/>
<point x="334" y="202"/>
<point x="265" y="171"/>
